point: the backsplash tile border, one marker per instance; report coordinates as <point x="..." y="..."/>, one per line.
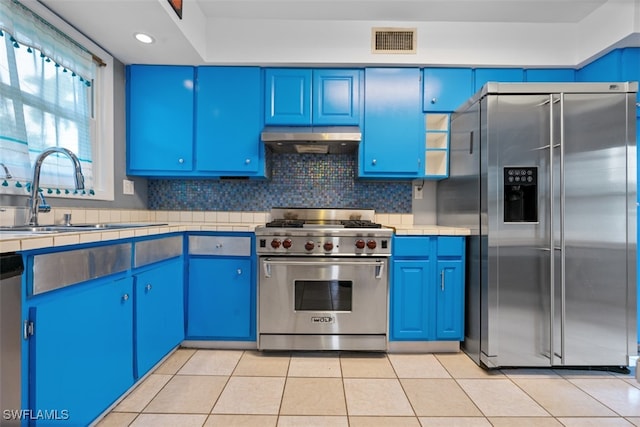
<point x="12" y="215"/>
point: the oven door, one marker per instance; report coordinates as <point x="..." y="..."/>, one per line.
<point x="312" y="295"/>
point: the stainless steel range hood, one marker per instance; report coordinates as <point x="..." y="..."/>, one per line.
<point x="312" y="139"/>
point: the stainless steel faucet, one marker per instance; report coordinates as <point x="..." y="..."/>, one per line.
<point x="35" y="183"/>
<point x="7" y="174"/>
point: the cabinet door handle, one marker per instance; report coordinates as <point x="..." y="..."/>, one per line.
<point x="374" y="161"/>
<point x="148" y="287"/>
<point x="442" y="280"/>
<point x="247" y="161"/>
<point x="181" y="161"/>
<point x="434" y="100"/>
<point x="239" y="271"/>
<point x="125" y="297"/>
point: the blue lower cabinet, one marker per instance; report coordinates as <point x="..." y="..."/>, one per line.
<point x="221" y="299"/>
<point x="159" y="313"/>
<point x="81" y="352"/>
<point x="450" y="300"/>
<point x="427" y="289"/>
<point x="411" y="299"/>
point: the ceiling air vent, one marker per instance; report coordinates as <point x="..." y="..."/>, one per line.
<point x="393" y="40"/>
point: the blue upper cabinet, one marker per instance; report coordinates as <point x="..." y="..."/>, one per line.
<point x="550" y="75"/>
<point x="229" y="121"/>
<point x="484" y="75"/>
<point x="287" y="96"/>
<point x="160" y="105"/>
<point x="302" y="97"/>
<point x="603" y="69"/>
<point x="393" y="137"/>
<point x="445" y="89"/>
<point x="631" y="70"/>
<point x="336" y="97"/>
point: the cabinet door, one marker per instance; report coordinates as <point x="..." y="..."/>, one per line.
<point x="229" y="121"/>
<point x="81" y="353"/>
<point x="484" y="75"/>
<point x="393" y="143"/>
<point x="631" y="71"/>
<point x="551" y="75"/>
<point x="159" y="300"/>
<point x="221" y="300"/>
<point x="159" y="120"/>
<point x="445" y="89"/>
<point x="449" y="301"/>
<point x="411" y="300"/>
<point x="336" y="97"/>
<point x="287" y="96"/>
<point x="604" y="69"/>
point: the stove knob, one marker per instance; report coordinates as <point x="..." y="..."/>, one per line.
<point x="286" y="244"/>
<point x="371" y="244"/>
<point x="328" y="246"/>
<point x="275" y="243"/>
<point x="360" y="244"/>
<point x="309" y="245"/>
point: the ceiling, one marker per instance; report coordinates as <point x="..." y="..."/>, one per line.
<point x="111" y="23"/>
<point x="403" y="10"/>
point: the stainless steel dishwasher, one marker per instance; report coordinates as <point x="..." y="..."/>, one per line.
<point x="11" y="268"/>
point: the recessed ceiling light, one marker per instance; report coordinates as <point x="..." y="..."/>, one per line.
<point x="144" y="38"/>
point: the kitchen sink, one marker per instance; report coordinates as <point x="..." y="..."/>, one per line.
<point x="56" y="228"/>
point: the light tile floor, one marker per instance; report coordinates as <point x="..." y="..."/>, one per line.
<point x="249" y="388"/>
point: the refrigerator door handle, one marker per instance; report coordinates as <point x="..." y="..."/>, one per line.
<point x="544" y="147"/>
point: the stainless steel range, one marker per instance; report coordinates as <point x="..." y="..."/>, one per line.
<point x="323" y="280"/>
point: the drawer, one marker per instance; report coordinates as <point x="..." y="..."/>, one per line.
<point x="220" y="245"/>
<point x="412" y="246"/>
<point x="150" y="251"/>
<point x="450" y="246"/>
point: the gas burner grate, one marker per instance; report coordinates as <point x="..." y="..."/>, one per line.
<point x="286" y="223"/>
<point x="358" y="223"/>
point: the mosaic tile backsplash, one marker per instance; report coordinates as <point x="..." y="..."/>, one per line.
<point x="298" y="180"/>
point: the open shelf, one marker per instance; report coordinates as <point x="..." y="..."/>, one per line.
<point x="437" y="122"/>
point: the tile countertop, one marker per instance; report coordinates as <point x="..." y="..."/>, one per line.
<point x="22" y="241"/>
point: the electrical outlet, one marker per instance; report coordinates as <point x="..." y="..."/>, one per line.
<point x="127" y="187"/>
<point x="417" y="192"/>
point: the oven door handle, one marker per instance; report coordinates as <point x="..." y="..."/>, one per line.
<point x="267" y="263"/>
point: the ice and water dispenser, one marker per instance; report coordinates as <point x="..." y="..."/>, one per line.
<point x="521" y="194"/>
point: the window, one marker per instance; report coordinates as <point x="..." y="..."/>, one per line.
<point x="52" y="93"/>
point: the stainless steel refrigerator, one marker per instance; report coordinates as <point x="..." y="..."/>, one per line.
<point x="545" y="177"/>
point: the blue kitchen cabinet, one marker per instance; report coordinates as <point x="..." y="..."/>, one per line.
<point x="81" y="351"/>
<point x="630" y="59"/>
<point x="393" y="137"/>
<point x="445" y="89"/>
<point x="288" y="96"/>
<point x="550" y="75"/>
<point x="304" y="97"/>
<point x="229" y="121"/>
<point x="503" y="75"/>
<point x="411" y="299"/>
<point x="604" y="69"/>
<point x="221" y="301"/>
<point x="336" y="97"/>
<point x="221" y="295"/>
<point x="160" y="112"/>
<point x="427" y="288"/>
<point x="159" y="312"/>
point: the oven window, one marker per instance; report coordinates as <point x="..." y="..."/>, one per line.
<point x="323" y="295"/>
